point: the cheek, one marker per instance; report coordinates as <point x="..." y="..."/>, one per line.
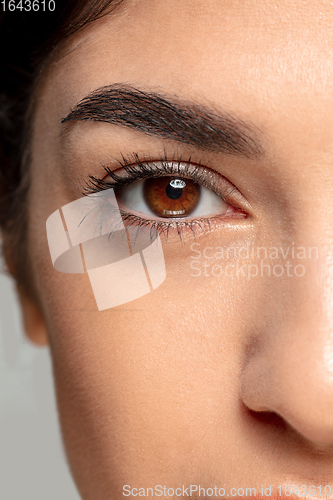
<point x="137" y="382"/>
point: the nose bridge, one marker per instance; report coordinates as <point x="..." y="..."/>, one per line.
<point x="305" y="336"/>
<point x="315" y="288"/>
<point x="291" y="370"/>
<point x="312" y="232"/>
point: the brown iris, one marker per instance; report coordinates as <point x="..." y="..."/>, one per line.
<point x="171" y="196"/>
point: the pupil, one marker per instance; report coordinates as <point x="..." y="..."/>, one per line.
<point x="173" y="193"/>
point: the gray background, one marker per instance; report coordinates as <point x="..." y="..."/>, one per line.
<point x="32" y="460"/>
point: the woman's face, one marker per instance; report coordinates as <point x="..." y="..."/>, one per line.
<point x="222" y="376"/>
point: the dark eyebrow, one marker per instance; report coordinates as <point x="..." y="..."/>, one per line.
<point x="168" y="118"/>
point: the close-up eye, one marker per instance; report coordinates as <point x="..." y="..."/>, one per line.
<point x="170" y="193"/>
<point x="171" y="197"/>
<point x="166" y="238"/>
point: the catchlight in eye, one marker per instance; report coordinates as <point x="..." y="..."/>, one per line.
<point x="171" y="197"/>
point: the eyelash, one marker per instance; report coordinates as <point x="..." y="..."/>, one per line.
<point x="137" y="169"/>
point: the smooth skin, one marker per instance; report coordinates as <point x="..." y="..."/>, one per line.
<point x="223" y="381"/>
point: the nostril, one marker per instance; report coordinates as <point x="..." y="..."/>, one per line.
<point x="268" y="418"/>
<point x="269" y="422"/>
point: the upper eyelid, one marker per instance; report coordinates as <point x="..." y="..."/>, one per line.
<point x="136" y="169"/>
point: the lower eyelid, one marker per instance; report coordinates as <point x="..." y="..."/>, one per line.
<point x="183" y="228"/>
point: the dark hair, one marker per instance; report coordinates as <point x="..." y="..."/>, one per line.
<point x="27" y="40"/>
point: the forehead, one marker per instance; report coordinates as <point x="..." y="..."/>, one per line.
<point x="266" y="61"/>
<point x="224" y="46"/>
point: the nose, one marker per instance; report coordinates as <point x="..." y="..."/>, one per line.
<point x="289" y="368"/>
